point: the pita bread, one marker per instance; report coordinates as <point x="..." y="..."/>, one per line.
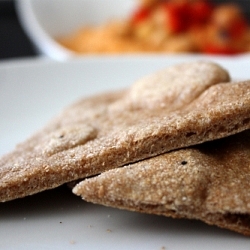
<point x="180" y="106"/>
<point x="209" y="182"/>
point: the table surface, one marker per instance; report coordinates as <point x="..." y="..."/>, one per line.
<point x="13" y="41"/>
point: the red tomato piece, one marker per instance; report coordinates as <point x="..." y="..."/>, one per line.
<point x="238" y="29"/>
<point x="213" y="49"/>
<point x="140" y="15"/>
<point x="200" y="12"/>
<point x="177" y="16"/>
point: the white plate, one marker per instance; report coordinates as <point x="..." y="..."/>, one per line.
<point x="31" y="92"/>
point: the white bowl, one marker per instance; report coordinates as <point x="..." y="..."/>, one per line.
<point x="44" y="20"/>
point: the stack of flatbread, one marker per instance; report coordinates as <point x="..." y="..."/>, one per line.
<point x="176" y="143"/>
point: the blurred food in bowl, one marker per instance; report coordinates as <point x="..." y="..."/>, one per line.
<point x="69" y="28"/>
<point x="227" y="32"/>
<point x="196" y="26"/>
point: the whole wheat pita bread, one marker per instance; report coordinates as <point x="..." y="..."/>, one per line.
<point x="209" y="182"/>
<point x="113" y="129"/>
